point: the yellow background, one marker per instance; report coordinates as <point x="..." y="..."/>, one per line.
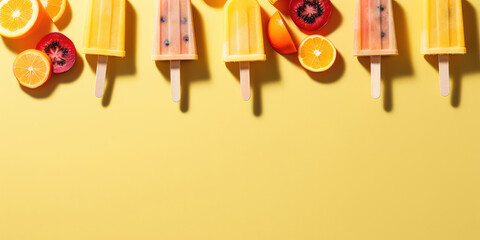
<point x="311" y="156"/>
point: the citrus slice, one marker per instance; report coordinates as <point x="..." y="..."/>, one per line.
<point x="317" y="53"/>
<point x="17" y="17"/>
<point x="279" y="36"/>
<point x="54" y="8"/>
<point x="32" y="68"/>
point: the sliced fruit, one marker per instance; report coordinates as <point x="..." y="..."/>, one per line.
<point x="310" y="15"/>
<point x="18" y="17"/>
<point x="32" y="68"/>
<point x="317" y="53"/>
<point x="60" y="49"/>
<point x="278" y="35"/>
<point x="54" y="8"/>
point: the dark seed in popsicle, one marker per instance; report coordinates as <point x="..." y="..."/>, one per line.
<point x="163" y="19"/>
<point x="184" y="20"/>
<point x="167" y="43"/>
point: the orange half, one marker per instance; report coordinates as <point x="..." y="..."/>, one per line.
<point x="32" y="68"/>
<point x="278" y="35"/>
<point x="54" y="8"/>
<point x="17" y="17"/>
<point x="317" y="53"/>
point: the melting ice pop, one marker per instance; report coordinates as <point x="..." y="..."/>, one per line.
<point x="374" y="36"/>
<point x="104" y="35"/>
<point x="174" y="38"/>
<point x="243" y="38"/>
<point x="443" y="35"/>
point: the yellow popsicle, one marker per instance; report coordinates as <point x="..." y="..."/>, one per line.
<point x="243" y="32"/>
<point x="105" y="28"/>
<point x="443" y="27"/>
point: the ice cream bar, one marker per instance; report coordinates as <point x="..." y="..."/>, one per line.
<point x="374" y="36"/>
<point x="174" y="38"/>
<point x="105" y="28"/>
<point x="443" y="27"/>
<point x="243" y="38"/>
<point x="104" y="35"/>
<point x="374" y="29"/>
<point x="443" y="35"/>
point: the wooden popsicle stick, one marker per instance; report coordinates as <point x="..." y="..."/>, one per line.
<point x="444" y="74"/>
<point x="101" y="75"/>
<point x="376" y="74"/>
<point x="175" y="80"/>
<point x="245" y="80"/>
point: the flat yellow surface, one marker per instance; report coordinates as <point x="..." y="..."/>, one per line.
<point x="311" y="156"/>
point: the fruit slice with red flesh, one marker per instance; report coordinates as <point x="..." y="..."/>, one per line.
<point x="310" y="15"/>
<point x="60" y="49"/>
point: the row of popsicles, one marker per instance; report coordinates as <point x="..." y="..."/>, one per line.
<point x="174" y="38"/>
<point x="442" y="35"/>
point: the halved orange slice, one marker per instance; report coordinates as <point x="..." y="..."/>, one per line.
<point x="32" y="68"/>
<point x="279" y="36"/>
<point x="317" y="53"/>
<point x="54" y="8"/>
<point x="17" y="17"/>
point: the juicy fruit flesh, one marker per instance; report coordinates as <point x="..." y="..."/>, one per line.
<point x="32" y="68"/>
<point x="310" y="11"/>
<point x="317" y="54"/>
<point x="54" y="8"/>
<point x="15" y="15"/>
<point x="310" y="15"/>
<point x="60" y="49"/>
<point x="57" y="53"/>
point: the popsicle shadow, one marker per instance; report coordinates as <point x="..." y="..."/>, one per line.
<point x="66" y="18"/>
<point x="215" y="3"/>
<point x="394" y="67"/>
<point x="49" y="87"/>
<point x="261" y="72"/>
<point x="465" y="64"/>
<point x="191" y="71"/>
<point x="119" y="66"/>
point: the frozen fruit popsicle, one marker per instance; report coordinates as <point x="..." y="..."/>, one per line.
<point x="243" y="38"/>
<point x="104" y="35"/>
<point x="174" y="38"/>
<point x="374" y="35"/>
<point x="443" y="35"/>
